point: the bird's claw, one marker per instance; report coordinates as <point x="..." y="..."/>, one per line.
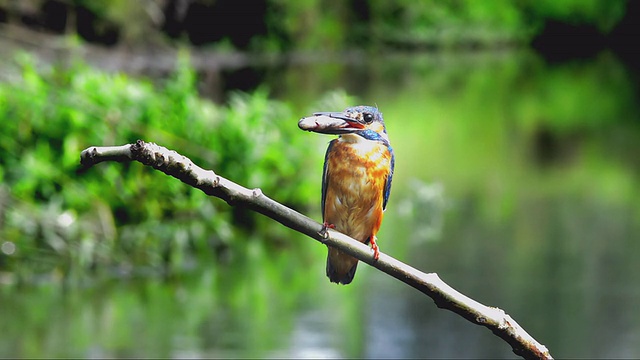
<point x="376" y="249"/>
<point x="324" y="231"/>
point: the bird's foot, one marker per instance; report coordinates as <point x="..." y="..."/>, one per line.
<point x="324" y="231"/>
<point x="376" y="249"/>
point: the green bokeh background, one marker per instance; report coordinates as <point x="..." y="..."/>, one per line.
<point x="516" y="181"/>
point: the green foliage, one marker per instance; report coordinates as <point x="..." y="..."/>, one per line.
<point x="333" y="25"/>
<point x="310" y="24"/>
<point x="485" y="23"/>
<point x="449" y="23"/>
<point x="603" y="14"/>
<point x="128" y="214"/>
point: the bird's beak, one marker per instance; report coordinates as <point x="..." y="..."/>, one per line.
<point x="330" y="123"/>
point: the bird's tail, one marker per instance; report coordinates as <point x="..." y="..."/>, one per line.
<point x="341" y="268"/>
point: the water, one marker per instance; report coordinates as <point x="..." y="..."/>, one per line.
<point x="516" y="181"/>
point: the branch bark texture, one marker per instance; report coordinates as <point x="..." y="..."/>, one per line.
<point x="446" y="297"/>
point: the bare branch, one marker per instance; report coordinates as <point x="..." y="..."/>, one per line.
<point x="180" y="167"/>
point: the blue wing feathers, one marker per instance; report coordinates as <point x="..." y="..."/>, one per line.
<point x="325" y="176"/>
<point x="387" y="185"/>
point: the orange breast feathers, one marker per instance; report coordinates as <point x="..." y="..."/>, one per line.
<point x="357" y="171"/>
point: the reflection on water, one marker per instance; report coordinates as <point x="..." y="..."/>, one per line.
<point x="517" y="182"/>
<point x="311" y="338"/>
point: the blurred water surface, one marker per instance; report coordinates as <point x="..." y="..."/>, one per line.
<point x="516" y="181"/>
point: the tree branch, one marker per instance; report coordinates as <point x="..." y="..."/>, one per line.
<point x="180" y="167"/>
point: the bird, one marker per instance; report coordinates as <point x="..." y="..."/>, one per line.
<point x="356" y="180"/>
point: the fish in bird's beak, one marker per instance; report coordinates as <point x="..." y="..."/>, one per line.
<point x="334" y="123"/>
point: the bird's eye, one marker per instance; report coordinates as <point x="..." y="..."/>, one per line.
<point x="368" y="118"/>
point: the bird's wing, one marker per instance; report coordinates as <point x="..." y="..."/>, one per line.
<point x="387" y="185"/>
<point x="325" y="175"/>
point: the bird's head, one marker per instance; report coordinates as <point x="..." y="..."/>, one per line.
<point x="361" y="120"/>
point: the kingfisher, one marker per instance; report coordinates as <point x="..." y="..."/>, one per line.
<point x="356" y="180"/>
